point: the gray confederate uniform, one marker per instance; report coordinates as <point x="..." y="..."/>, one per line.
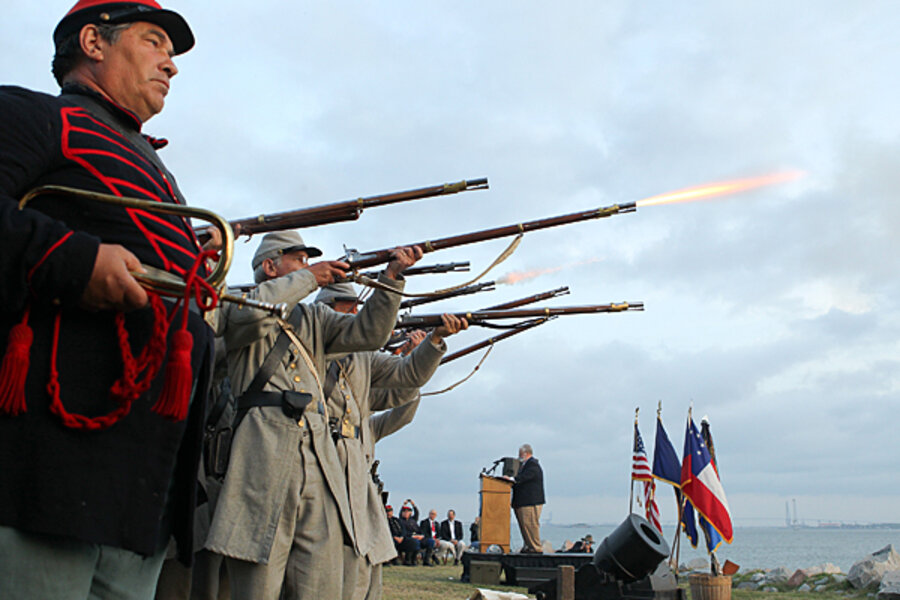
<point x="350" y="405"/>
<point x="284" y="497"/>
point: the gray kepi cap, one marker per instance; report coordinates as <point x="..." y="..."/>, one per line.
<point x="337" y="292"/>
<point x="282" y="242"/>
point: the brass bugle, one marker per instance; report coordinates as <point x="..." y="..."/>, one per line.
<point x="157" y="280"/>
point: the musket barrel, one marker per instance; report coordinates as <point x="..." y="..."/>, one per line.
<point x="346" y="210"/>
<point x="493" y="339"/>
<point x="475" y="317"/>
<point x="486" y="286"/>
<point x="369" y="259"/>
<point x="531" y="299"/>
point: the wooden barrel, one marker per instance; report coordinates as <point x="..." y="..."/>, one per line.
<point x="705" y="586"/>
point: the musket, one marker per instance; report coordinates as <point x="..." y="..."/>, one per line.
<point x="494" y="339"/>
<point x="483" y="317"/>
<point x="346" y="210"/>
<point x="531" y="299"/>
<point x="359" y="260"/>
<point x="453" y="267"/>
<point x="486" y="286"/>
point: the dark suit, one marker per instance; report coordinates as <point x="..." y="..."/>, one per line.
<point x="459" y="546"/>
<point x="527" y="502"/>
<point x="528" y="489"/>
<point x="457" y="530"/>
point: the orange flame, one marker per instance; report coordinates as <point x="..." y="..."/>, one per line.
<point x="721" y="188"/>
<point x="515" y="277"/>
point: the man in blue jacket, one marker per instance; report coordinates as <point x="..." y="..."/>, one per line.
<point x="528" y="499"/>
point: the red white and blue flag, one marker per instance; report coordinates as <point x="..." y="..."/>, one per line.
<point x="640" y="471"/>
<point x="700" y="483"/>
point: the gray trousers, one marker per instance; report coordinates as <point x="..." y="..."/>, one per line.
<point x="57" y="568"/>
<point x="530" y="526"/>
<point x="362" y="579"/>
<point x="307" y="553"/>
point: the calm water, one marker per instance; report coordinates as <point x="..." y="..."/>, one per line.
<point x="758" y="547"/>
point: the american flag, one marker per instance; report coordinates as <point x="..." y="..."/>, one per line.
<point x="640" y="471"/>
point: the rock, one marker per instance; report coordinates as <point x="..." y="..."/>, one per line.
<point x="839" y="578"/>
<point x="821" y="581"/>
<point x="758" y="576"/>
<point x="779" y="575"/>
<point x="698" y="564"/>
<point x="890" y="586"/>
<point x="797" y="578"/>
<point x="804" y="588"/>
<point x="812" y="571"/>
<point x="747" y="585"/>
<point x="820" y="588"/>
<point x="770" y="590"/>
<point x="830" y="569"/>
<point x="869" y="571"/>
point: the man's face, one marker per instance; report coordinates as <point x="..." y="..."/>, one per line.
<point x="286" y="263"/>
<point x="136" y="70"/>
<point x="451" y="515"/>
<point x="432" y="514"/>
<point x="522" y="454"/>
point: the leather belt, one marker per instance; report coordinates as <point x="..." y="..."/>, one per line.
<point x="293" y="404"/>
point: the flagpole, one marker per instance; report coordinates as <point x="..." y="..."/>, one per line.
<point x="631" y="470"/>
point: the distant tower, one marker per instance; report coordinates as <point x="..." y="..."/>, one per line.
<point x="794" y="500"/>
<point x="787" y="514"/>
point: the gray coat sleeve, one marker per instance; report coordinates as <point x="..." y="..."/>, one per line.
<point x="370" y="329"/>
<point x="242" y="326"/>
<point x="390" y="421"/>
<point x="412" y="371"/>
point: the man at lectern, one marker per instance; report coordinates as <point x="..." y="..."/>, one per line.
<point x="528" y="499"/>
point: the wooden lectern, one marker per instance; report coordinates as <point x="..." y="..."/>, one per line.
<point x="495" y="500"/>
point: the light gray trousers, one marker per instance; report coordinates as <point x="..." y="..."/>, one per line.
<point x="58" y="568"/>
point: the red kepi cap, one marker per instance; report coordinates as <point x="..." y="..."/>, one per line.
<point x="112" y="13"/>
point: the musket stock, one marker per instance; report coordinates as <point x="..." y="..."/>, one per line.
<point x="359" y="260"/>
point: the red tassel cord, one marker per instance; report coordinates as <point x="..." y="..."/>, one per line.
<point x="14" y="369"/>
<point x="175" y="398"/>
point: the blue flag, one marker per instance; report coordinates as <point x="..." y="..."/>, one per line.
<point x="688" y="522"/>
<point x="666" y="466"/>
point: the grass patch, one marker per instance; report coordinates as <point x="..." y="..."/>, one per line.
<point x="432" y="583"/>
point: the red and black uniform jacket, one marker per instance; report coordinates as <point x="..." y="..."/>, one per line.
<point x="133" y="483"/>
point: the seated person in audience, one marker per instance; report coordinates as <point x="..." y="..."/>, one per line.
<point x="431" y="528"/>
<point x="412" y="531"/>
<point x="452" y="533"/>
<point x="405" y="546"/>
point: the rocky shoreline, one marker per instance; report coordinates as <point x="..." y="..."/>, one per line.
<point x="878" y="573"/>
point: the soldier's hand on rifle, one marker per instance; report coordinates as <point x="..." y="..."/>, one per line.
<point x="452" y="324"/>
<point x="403" y="258"/>
<point x="111" y="286"/>
<point x="215" y="238"/>
<point x="327" y="271"/>
<point x="413" y="339"/>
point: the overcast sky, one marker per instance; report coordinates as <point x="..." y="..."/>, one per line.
<point x="775" y="312"/>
